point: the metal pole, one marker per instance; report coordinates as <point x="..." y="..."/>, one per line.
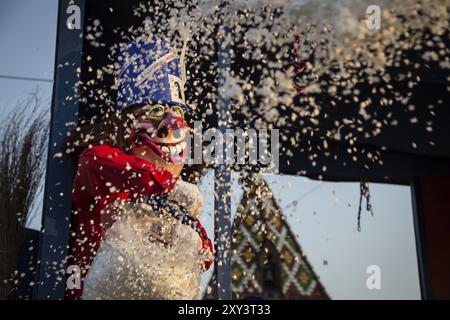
<point x="54" y="239"/>
<point x="222" y="190"/>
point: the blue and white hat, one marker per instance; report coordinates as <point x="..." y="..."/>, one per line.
<point x="150" y="72"/>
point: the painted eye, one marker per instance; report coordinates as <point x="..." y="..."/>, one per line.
<point x="178" y="110"/>
<point x="155" y="111"/>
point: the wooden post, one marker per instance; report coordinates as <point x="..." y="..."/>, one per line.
<point x="54" y="239"/>
<point x="431" y="195"/>
<point x="222" y="191"/>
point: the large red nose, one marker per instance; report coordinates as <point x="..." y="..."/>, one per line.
<point x="171" y="125"/>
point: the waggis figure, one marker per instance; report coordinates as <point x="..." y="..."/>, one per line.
<point x="135" y="228"/>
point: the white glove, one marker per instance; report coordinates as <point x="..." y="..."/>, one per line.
<point x="188" y="196"/>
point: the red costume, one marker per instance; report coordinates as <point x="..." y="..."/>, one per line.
<point x="106" y="174"/>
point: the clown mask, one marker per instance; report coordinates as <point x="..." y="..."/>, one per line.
<point x="159" y="135"/>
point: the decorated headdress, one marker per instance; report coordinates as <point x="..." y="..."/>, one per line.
<point x="150" y="72"/>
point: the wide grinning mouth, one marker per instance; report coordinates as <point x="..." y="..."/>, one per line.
<point x="172" y="152"/>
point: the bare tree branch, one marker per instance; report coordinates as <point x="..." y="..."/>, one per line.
<point x="23" y="145"/>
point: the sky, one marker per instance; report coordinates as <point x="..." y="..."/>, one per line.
<point x="324" y="218"/>
<point x="27" y="48"/>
